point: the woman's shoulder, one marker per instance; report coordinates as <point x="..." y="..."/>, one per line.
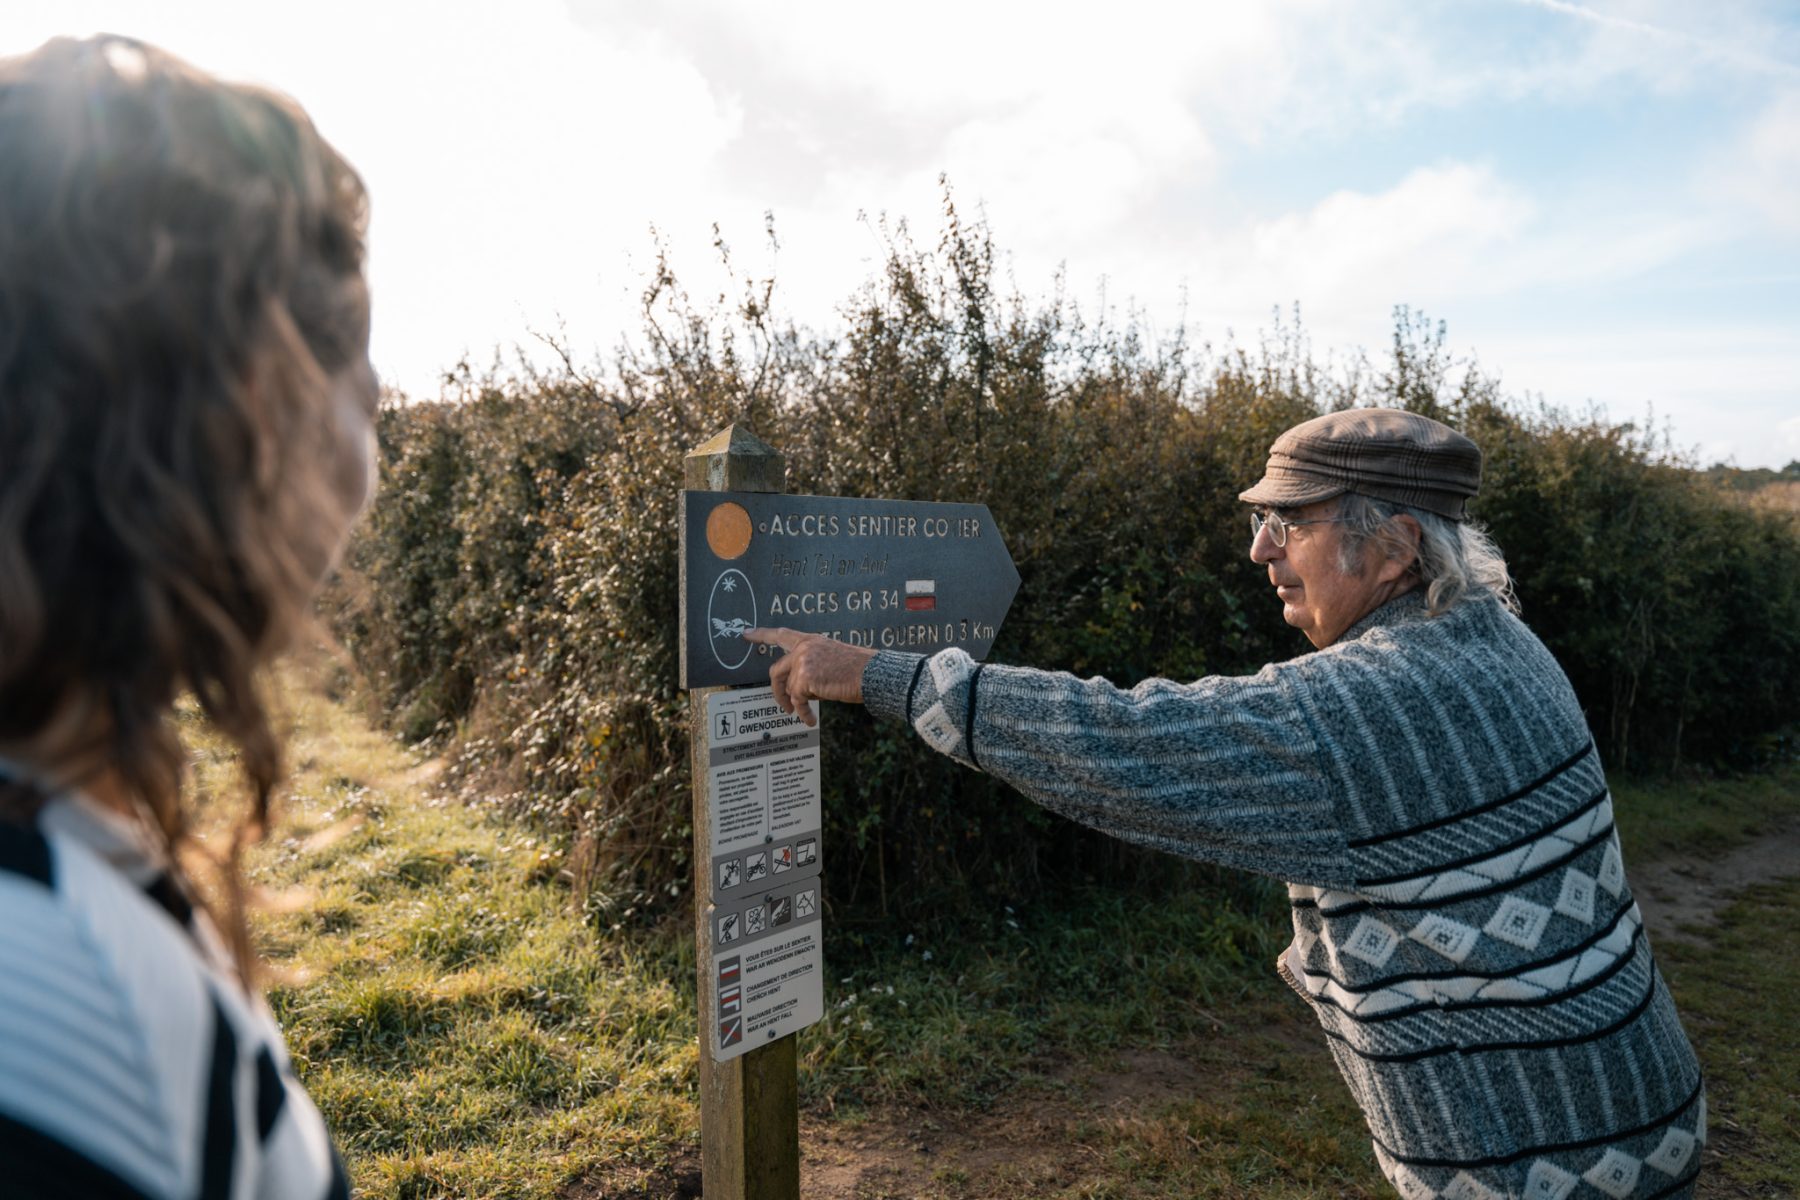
<point x="123" y="1045"/>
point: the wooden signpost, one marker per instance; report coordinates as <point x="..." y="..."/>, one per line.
<point x="749" y="1105"/>
<point x="877" y="573"/>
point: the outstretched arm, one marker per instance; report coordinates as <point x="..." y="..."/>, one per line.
<point x="1222" y="770"/>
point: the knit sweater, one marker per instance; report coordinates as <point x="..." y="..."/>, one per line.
<point x="1462" y="924"/>
<point x="132" y="1064"/>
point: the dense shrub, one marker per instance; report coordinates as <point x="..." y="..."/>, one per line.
<point x="518" y="576"/>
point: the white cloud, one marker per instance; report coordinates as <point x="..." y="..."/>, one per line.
<point x="1442" y="237"/>
<point x="1679" y="39"/>
<point x="1790" y="437"/>
<point x="1729" y="393"/>
<point x="518" y="154"/>
<point x="510" y="154"/>
<point x="1415" y="239"/>
<point x="1764" y="171"/>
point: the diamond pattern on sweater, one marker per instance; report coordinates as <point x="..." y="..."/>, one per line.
<point x="1452" y="939"/>
<point x="1546" y="1181"/>
<point x="1576" y="900"/>
<point x="1410" y="1185"/>
<point x="1457" y="989"/>
<point x="1612" y="870"/>
<point x="1466" y="1187"/>
<point x="1372" y="941"/>
<point x="1520" y="922"/>
<point x="1555" y="844"/>
<point x="1616" y="1174"/>
<point x="948" y="670"/>
<point x="936" y="727"/>
<point x="1675" y="1151"/>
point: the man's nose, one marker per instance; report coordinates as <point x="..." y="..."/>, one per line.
<point x="1263" y="548"/>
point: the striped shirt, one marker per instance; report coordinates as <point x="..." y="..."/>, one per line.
<point x="1463" y="928"/>
<point x="132" y="1065"/>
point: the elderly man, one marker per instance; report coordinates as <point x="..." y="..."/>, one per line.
<point x="1426" y="785"/>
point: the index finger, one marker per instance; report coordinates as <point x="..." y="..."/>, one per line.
<point x="775" y="635"/>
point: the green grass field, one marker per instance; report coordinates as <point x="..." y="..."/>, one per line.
<point x="468" y="1033"/>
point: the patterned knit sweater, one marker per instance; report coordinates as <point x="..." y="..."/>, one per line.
<point x="1462" y="924"/>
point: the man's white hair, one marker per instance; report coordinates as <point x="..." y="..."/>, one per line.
<point x="1456" y="559"/>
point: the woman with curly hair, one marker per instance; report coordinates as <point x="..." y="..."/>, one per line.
<point x="186" y="436"/>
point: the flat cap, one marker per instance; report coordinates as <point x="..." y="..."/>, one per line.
<point x="1386" y="453"/>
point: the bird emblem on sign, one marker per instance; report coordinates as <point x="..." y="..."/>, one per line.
<point x="731" y="613"/>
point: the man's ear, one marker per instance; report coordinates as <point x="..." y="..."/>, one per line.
<point x="1402" y="549"/>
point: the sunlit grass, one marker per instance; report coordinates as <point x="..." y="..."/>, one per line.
<point x="463" y="1030"/>
<point x="468" y="1033"/>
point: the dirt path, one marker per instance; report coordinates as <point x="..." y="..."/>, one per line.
<point x="1682" y="897"/>
<point x="1047" y="1135"/>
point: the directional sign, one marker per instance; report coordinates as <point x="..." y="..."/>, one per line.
<point x="888" y="574"/>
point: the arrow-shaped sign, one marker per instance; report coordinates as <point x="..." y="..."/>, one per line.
<point x="888" y="574"/>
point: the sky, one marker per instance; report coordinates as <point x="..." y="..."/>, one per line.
<point x="1601" y="199"/>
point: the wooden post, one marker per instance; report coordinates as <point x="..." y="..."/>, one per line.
<point x="749" y="1105"/>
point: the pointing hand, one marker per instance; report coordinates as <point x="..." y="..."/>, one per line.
<point x="812" y="668"/>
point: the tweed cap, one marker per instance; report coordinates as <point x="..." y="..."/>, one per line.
<point x="1391" y="455"/>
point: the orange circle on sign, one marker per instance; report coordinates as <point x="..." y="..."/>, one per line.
<point x="728" y="530"/>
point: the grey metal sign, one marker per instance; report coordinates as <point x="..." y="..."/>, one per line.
<point x="888" y="574"/>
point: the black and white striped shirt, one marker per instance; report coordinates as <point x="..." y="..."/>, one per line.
<point x="132" y="1065"/>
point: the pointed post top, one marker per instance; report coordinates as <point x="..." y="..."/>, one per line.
<point x="735" y="460"/>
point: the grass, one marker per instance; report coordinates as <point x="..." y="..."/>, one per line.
<point x="951" y="1020"/>
<point x="1740" y="1005"/>
<point x="1699" y="816"/>
<point x="467" y="1033"/>
<point x="464" y="1031"/>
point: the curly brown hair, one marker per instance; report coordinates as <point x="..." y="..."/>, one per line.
<point x="181" y="281"/>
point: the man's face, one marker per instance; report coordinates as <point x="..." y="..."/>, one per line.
<point x="1317" y="596"/>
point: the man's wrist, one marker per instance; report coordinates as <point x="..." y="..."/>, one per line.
<point x="885" y="681"/>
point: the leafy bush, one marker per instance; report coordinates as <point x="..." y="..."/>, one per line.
<point x="518" y="577"/>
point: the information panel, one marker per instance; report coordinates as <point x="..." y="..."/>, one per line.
<point x="763" y="921"/>
<point x="888" y="574"/>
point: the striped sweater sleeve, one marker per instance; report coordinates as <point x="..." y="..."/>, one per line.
<point x="1221" y="770"/>
<point x="129" y="1067"/>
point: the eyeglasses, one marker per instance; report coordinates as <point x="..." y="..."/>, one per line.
<point x="1279" y="525"/>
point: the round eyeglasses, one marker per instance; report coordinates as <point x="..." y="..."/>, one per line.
<point x="1279" y="525"/>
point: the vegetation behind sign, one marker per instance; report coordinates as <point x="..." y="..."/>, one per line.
<point x="519" y="571"/>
